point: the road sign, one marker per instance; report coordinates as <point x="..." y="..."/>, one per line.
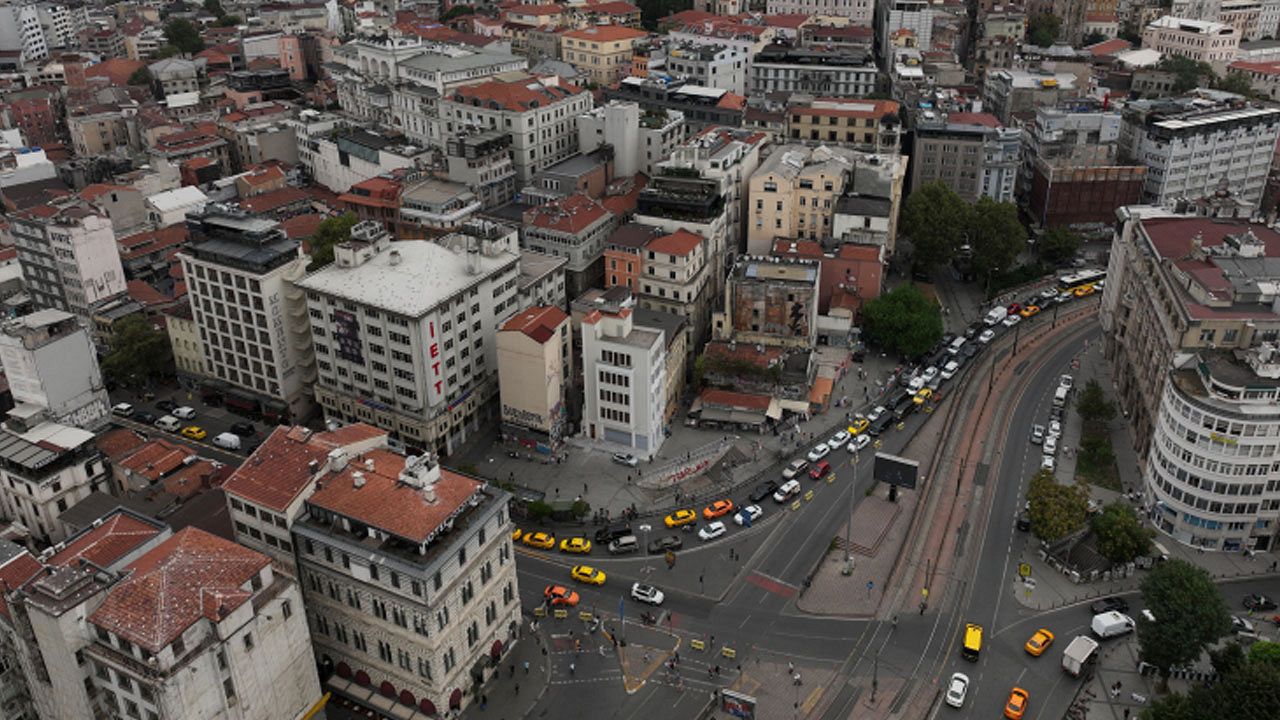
<point x="1024" y="570"/>
<point x="924" y="592"/>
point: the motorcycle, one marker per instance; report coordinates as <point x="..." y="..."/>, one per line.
<point x="648" y="618"/>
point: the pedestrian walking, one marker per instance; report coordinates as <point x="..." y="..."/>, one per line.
<point x="717" y="671"/>
<point x="484" y="701"/>
<point x="517" y="688"/>
<point x="584" y="488"/>
<point x="791" y="667"/>
<point x="572" y="668"/>
<point x="512" y="668"/>
<point x="526" y="667"/>
<point x="796" y="678"/>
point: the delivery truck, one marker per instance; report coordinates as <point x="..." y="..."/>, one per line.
<point x="1111" y="624"/>
<point x="1079" y="654"/>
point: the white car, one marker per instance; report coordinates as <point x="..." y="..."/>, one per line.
<point x="1050" y="444"/>
<point x="1046" y="462"/>
<point x="875" y="413"/>
<point x="789" y="489"/>
<point x="818" y="453"/>
<point x="647" y="594"/>
<point x="916" y="383"/>
<point x="929" y="374"/>
<point x="122" y="409"/>
<point x="752" y="511"/>
<point x="625" y="459"/>
<point x="1066" y="381"/>
<point x="859" y="442"/>
<point x="950" y="369"/>
<point x="183" y="413"/>
<point x="987" y="336"/>
<point x="957" y="689"/>
<point x="711" y="531"/>
<point x="838" y="440"/>
<point x="1049" y="293"/>
<point x="1037" y="434"/>
<point x="794" y="468"/>
<point x="1012" y="320"/>
<point x="1055" y="428"/>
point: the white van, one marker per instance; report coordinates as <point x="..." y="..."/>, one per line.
<point x="954" y="347"/>
<point x="1111" y="624"/>
<point x="995" y="316"/>
<point x="1060" y="396"/>
<point x="227" y="441"/>
<point x="169" y="423"/>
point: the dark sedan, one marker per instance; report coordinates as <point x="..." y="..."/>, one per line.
<point x="665" y="543"/>
<point x="763" y="490"/>
<point x="166" y="405"/>
<point x="143" y="417"/>
<point x="1108" y="604"/>
<point x="1259" y="602"/>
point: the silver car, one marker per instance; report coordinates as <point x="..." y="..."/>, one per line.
<point x="957" y="689"/>
<point x="647" y="594"/>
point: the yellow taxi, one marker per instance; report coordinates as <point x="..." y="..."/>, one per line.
<point x="587" y="574"/>
<point x="560" y="595"/>
<point x="194" y="432"/>
<point x="680" y="517"/>
<point x="1017" y="705"/>
<point x="516" y="535"/>
<point x="859" y="424"/>
<point x="1083" y="290"/>
<point x="1029" y="310"/>
<point x="717" y="509"/>
<point x="1039" y="642"/>
<point x="540" y="540"/>
<point x="575" y="545"/>
<point x="922" y="395"/>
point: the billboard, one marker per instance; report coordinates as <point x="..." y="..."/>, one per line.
<point x="738" y="705"/>
<point x="896" y="470"/>
<point x="346" y="330"/>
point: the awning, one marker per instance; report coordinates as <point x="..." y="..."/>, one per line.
<point x="743" y="417"/>
<point x="820" y="391"/>
<point x="775" y="410"/>
<point x="795" y="406"/>
<point x="716" y="415"/>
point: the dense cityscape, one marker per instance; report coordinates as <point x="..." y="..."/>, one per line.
<point x="693" y="359"/>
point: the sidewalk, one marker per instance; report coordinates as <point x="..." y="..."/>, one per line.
<point x="512" y="691"/>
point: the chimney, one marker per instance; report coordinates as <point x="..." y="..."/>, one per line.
<point x="357" y="479"/>
<point x="368" y="464"/>
<point x="313" y="466"/>
<point x="337" y="460"/>
<point x="394" y="257"/>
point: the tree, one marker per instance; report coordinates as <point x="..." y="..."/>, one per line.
<point x="651" y="11"/>
<point x="1056" y="510"/>
<point x="1227" y="659"/>
<point x="1042" y="30"/>
<point x="141" y="76"/>
<point x="1094" y="38"/>
<point x="230" y="21"/>
<point x="539" y="510"/>
<point x="1188" y="73"/>
<point x="996" y="237"/>
<point x="1191" y="613"/>
<point x="214" y="8"/>
<point x="1121" y="535"/>
<point x="935" y="218"/>
<point x="330" y="232"/>
<point x="166" y="51"/>
<point x="138" y="351"/>
<point x="1264" y="651"/>
<point x="903" y="320"/>
<point x="1236" y="82"/>
<point x="1093" y="406"/>
<point x="1058" y="245"/>
<point x="183" y="35"/>
<point x="457" y="11"/>
<point x="1250" y="690"/>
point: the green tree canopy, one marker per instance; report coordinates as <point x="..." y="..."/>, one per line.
<point x="329" y="233"/>
<point x="230" y="20"/>
<point x="1236" y="82"/>
<point x="1264" y="651"/>
<point x="1058" y="245"/>
<point x="141" y="76"/>
<point x="457" y="11"/>
<point x="1191" y="614"/>
<point x="1251" y="690"/>
<point x="1121" y="535"/>
<point x="1093" y="38"/>
<point x="903" y="320"/>
<point x="935" y="218"/>
<point x="138" y="351"/>
<point x="214" y="8"/>
<point x="996" y="236"/>
<point x="1188" y="73"/>
<point x="651" y="11"/>
<point x="183" y="35"/>
<point x="1042" y="30"/>
<point x="1093" y="406"/>
<point x="1056" y="510"/>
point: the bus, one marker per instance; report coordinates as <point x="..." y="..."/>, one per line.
<point x="972" y="642"/>
<point x="1084" y="277"/>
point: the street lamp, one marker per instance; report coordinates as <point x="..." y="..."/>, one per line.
<point x="645" y="528"/>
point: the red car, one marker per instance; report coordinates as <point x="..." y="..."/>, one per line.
<point x="1014" y="309"/>
<point x="820" y="470"/>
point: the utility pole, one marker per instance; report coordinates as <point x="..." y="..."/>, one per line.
<point x="848" y="559"/>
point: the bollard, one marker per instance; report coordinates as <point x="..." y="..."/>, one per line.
<point x="561" y="614"/>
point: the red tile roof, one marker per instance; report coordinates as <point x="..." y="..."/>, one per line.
<point x="274" y="200"/>
<point x="119" y="443"/>
<point x="623" y="204"/>
<point x="680" y="242"/>
<point x="145" y="243"/>
<point x="277" y="472"/>
<point x="195" y="478"/>
<point x="1172" y="236"/>
<point x="1261" y="68"/>
<point x="797" y="248"/>
<point x="386" y="503"/>
<point x="19" y="569"/>
<point x="190" y="576"/>
<point x="851" y="107"/>
<point x="302" y="226"/>
<point x="726" y="398"/>
<point x="539" y="323"/>
<point x="744" y="352"/>
<point x="612" y="8"/>
<point x="792" y="21"/>
<point x="1109" y="47"/>
<point x="271" y="173"/>
<point x="732" y="101"/>
<point x="568" y="215"/>
<point x="515" y="96"/>
<point x="606" y="33"/>
<point x="146" y="295"/>
<point x="117" y="536"/>
<point x="116" y="70"/>
<point x="97" y="190"/>
<point x="969" y="118"/>
<point x="155" y="459"/>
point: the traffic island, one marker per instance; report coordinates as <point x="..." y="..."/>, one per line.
<point x="643" y="650"/>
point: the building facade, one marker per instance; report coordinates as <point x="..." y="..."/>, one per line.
<point x="575" y="228"/>
<point x="1210" y="42"/>
<point x="68" y="255"/>
<point x="715" y="66"/>
<point x="781" y="67"/>
<point x="46" y="468"/>
<point x="51" y="365"/>
<point x="971" y="153"/>
<point x="770" y="301"/>
<point x="535" y="370"/>
<point x="603" y="52"/>
<point x="640" y="140"/>
<point x="621" y="365"/>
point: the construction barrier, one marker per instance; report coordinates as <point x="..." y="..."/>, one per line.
<point x="540" y="611"/>
<point x="831" y="478"/>
<point x="729" y="652"/>
<point x="877" y="444"/>
<point x="697" y="645"/>
<point x="561" y="614"/>
<point x="795" y="505"/>
<point x="586" y="616"/>
<point x="808" y="496"/>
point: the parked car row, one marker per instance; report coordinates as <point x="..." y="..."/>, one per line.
<point x="171" y="422"/>
<point x="1049" y="437"/>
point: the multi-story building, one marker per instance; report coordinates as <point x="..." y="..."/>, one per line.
<point x="409" y="578"/>
<point x="622" y="364"/>
<point x="239" y="272"/>
<point x="770" y="301"/>
<point x="673" y="279"/>
<point x="345" y="158"/>
<point x="1071" y="14"/>
<point x="914" y="15"/>
<point x="640" y="140"/>
<point x="1071" y="173"/>
<point x="1211" y="42"/>
<point x="184" y="341"/>
<point x="971" y="153"/>
<point x="785" y="68"/>
<point x="538" y="114"/>
<point x="603" y="52"/>
<point x="265" y="494"/>
<point x="431" y="207"/>
<point x="576" y="228"/>
<point x="535" y="371"/>
<point x="1007" y="92"/>
<point x="403" y="332"/>
<point x="624" y="255"/>
<point x="1252" y="19"/>
<point x="741" y="34"/>
<point x="870" y="125"/>
<point x="1190" y="330"/>
<point x="46" y="468"/>
<point x="866" y="213"/>
<point x="714" y="66"/>
<point x="376" y="199"/>
<point x="21" y="32"/>
<point x="1192" y="144"/>
<point x="481" y="160"/>
<point x="68" y="255"/>
<point x="793" y="194"/>
<point x="51" y="366"/>
<point x="859" y="12"/>
<point x="701" y="106"/>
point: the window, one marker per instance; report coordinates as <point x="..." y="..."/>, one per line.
<point x="248" y="641"/>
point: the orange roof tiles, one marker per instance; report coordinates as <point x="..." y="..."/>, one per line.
<point x="195" y="478"/>
<point x="386" y="503"/>
<point x="145" y="294"/>
<point x="116" y="70"/>
<point x="732" y="101"/>
<point x="1262" y="68"/>
<point x="277" y="472"/>
<point x="680" y="242"/>
<point x="606" y="33"/>
<point x="726" y="398"/>
<point x="155" y="459"/>
<point x="274" y="200"/>
<point x="1108" y="47"/>
<point x="516" y="96"/>
<point x="855" y="108"/>
<point x="539" y="323"/>
<point x="145" y="243"/>
<point x="572" y="214"/>
<point x="119" y="443"/>
<point x="745" y="352"/>
<point x="971" y="118"/>
<point x="97" y="190"/>
<point x="117" y="536"/>
<point x="301" y="226"/>
<point x="263" y="175"/>
<point x="190" y="576"/>
<point x="20" y="568"/>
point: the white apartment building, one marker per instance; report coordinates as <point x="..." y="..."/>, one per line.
<point x="171" y="207"/>
<point x="20" y="31"/>
<point x="46" y="468"/>
<point x="239" y="272"/>
<point x="1211" y="42"/>
<point x="859" y="12"/>
<point x="710" y="65"/>
<point x="640" y="139"/>
<point x="621" y="366"/>
<point x="738" y="37"/>
<point x="1190" y="147"/>
<point x="1268" y="20"/>
<point x="52" y="367"/>
<point x="539" y="114"/>
<point x="403" y="332"/>
<point x="914" y="15"/>
<point x="69" y="256"/>
<point x="60" y="24"/>
<point x="410" y="581"/>
<point x="842" y="73"/>
<point x="265" y="494"/>
<point x="342" y="159"/>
